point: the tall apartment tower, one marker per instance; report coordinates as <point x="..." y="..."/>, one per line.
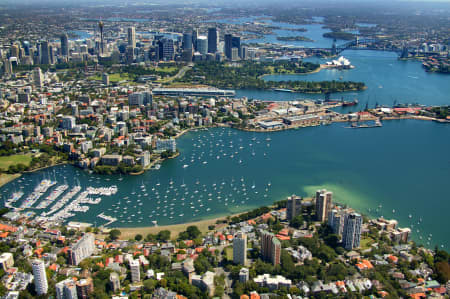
<point x="132" y="37"/>
<point x="213" y="40"/>
<point x="85" y="247"/>
<point x="101" y="25"/>
<point x="38" y="77"/>
<point x="352" y="231"/>
<point x="135" y="271"/>
<point x="323" y="204"/>
<point x="270" y="248"/>
<point x="240" y="249"/>
<point x="40" y="277"/>
<point x="293" y="207"/>
<point x="336" y="220"/>
<point x="64" y="45"/>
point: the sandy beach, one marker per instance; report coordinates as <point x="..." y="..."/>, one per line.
<point x="175" y="229"/>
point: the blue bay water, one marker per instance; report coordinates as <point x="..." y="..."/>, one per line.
<point x="403" y="166"/>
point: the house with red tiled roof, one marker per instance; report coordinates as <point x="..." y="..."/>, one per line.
<point x="364" y="264"/>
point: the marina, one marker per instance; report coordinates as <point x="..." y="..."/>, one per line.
<point x="232" y="171"/>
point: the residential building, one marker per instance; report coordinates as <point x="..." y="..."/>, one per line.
<point x="111" y="160"/>
<point x="135" y="271"/>
<point x="240" y="249"/>
<point x="114" y="281"/>
<point x="293" y="207"/>
<point x="66" y="289"/>
<point x="68" y="122"/>
<point x="352" y="231"/>
<point x="244" y="275"/>
<point x="6" y="260"/>
<point x="270" y="248"/>
<point x="323" y="204"/>
<point x="273" y="283"/>
<point x="205" y="282"/>
<point x="163" y="145"/>
<point x="82" y="249"/>
<point x="40" y="277"/>
<point x="85" y="287"/>
<point x="38" y="77"/>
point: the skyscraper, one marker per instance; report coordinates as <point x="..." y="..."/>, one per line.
<point x="45" y="53"/>
<point x="132" y="37"/>
<point x="166" y="49"/>
<point x="323" y="204"/>
<point x="240" y="249"/>
<point x="336" y="220"/>
<point x="202" y="44"/>
<point x="352" y="231"/>
<point x="236" y="43"/>
<point x="194" y="38"/>
<point x="187" y="41"/>
<point x="64" y="45"/>
<point x="228" y="45"/>
<point x="102" y="45"/>
<point x="213" y="40"/>
<point x="293" y="207"/>
<point x="40" y="277"/>
<point x="270" y="248"/>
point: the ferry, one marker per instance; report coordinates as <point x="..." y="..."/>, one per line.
<point x="283" y="90"/>
<point x="348" y="104"/>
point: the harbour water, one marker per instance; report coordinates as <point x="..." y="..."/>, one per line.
<point x="403" y="166"/>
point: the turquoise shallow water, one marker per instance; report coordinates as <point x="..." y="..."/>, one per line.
<point x="403" y="166"/>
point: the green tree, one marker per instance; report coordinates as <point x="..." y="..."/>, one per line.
<point x="114" y="234"/>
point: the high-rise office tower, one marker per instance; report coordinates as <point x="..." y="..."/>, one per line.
<point x="323" y="204"/>
<point x="187" y="41"/>
<point x="26" y="47"/>
<point x="14" y="51"/>
<point x="40" y="277"/>
<point x="236" y="43"/>
<point x="213" y="40"/>
<point x="194" y="38"/>
<point x="202" y="44"/>
<point x="132" y="37"/>
<point x="352" y="231"/>
<point x="228" y="45"/>
<point x="64" y="45"/>
<point x="45" y="53"/>
<point x="270" y="248"/>
<point x="240" y="249"/>
<point x="166" y="49"/>
<point x="293" y="207"/>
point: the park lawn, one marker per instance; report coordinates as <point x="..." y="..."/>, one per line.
<point x="7" y="161"/>
<point x="229" y="253"/>
<point x="115" y="77"/>
<point x="166" y="69"/>
<point x="366" y="242"/>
